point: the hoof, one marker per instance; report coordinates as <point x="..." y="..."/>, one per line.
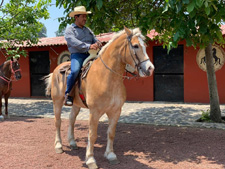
<point x="92" y="166"/>
<point x="112" y="158"/>
<point x="73" y="144"/>
<point x="1" y="118"/>
<point x="74" y="147"/>
<point x="59" y="150"/>
<point x="58" y="147"/>
<point x="114" y="162"/>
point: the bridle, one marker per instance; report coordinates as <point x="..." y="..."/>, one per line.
<point x="137" y="64"/>
<point x="13" y="72"/>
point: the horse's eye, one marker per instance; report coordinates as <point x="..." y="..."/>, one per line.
<point x="136" y="46"/>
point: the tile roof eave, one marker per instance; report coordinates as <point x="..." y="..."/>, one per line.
<point x="104" y="37"/>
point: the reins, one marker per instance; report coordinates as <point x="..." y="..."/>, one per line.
<point x="8" y="80"/>
<point x="124" y="77"/>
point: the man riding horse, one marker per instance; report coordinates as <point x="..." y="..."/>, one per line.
<point x="103" y="87"/>
<point x="80" y="40"/>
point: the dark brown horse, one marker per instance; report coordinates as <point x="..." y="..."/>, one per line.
<point x="8" y="71"/>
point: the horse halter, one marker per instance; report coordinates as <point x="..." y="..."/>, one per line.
<point x="12" y="70"/>
<point x="6" y="79"/>
<point x="137" y="65"/>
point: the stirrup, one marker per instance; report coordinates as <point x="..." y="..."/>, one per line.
<point x="68" y="100"/>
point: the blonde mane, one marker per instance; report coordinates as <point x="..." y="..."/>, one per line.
<point x="136" y="32"/>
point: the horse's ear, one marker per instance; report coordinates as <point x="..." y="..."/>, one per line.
<point x="128" y="31"/>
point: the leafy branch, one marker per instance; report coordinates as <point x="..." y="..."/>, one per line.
<point x="21" y="26"/>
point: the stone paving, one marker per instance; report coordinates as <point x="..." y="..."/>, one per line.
<point x="156" y="113"/>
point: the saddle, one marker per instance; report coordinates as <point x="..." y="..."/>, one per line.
<point x="65" y="70"/>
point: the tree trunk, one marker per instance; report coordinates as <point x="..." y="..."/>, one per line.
<point x="215" y="112"/>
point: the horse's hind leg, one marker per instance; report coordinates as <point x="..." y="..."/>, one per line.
<point x="109" y="153"/>
<point x="6" y="96"/>
<point x="57" y="105"/>
<point x="72" y="118"/>
<point x="1" y="116"/>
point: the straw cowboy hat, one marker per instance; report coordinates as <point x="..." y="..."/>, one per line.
<point x="79" y="10"/>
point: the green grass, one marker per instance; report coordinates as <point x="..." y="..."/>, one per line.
<point x="205" y="116"/>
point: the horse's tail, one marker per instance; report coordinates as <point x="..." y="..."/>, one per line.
<point x="48" y="82"/>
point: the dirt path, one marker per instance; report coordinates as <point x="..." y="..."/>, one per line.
<point x="28" y="143"/>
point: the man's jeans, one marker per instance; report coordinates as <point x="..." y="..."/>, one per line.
<point x="77" y="60"/>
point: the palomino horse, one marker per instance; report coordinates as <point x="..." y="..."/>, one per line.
<point x="102" y="88"/>
<point x="8" y="70"/>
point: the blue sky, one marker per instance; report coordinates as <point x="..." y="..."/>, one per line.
<point x="52" y="23"/>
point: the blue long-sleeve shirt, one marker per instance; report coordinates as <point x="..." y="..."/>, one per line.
<point x="79" y="39"/>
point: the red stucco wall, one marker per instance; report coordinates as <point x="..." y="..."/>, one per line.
<point x="141" y="89"/>
<point x="195" y="79"/>
<point x="22" y="88"/>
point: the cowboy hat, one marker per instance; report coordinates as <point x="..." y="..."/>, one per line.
<point x="79" y="10"/>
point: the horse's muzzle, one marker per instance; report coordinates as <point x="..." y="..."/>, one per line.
<point x="146" y="69"/>
<point x="18" y="76"/>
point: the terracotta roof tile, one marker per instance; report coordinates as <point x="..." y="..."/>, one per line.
<point x="60" y="40"/>
<point x="104" y="37"/>
<point x="51" y="41"/>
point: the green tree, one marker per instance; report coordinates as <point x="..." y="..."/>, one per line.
<point x="196" y="21"/>
<point x="19" y="24"/>
<point x="43" y="32"/>
<point x="107" y="15"/>
<point x="60" y="32"/>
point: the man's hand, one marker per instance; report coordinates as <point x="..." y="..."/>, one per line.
<point x="96" y="45"/>
<point x="99" y="44"/>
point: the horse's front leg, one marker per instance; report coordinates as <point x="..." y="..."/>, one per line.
<point x="72" y="118"/>
<point x="92" y="136"/>
<point x="57" y="105"/>
<point x="1" y="116"/>
<point x="113" y="119"/>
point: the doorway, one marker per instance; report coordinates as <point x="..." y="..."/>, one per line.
<point x="169" y="74"/>
<point x="39" y="67"/>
